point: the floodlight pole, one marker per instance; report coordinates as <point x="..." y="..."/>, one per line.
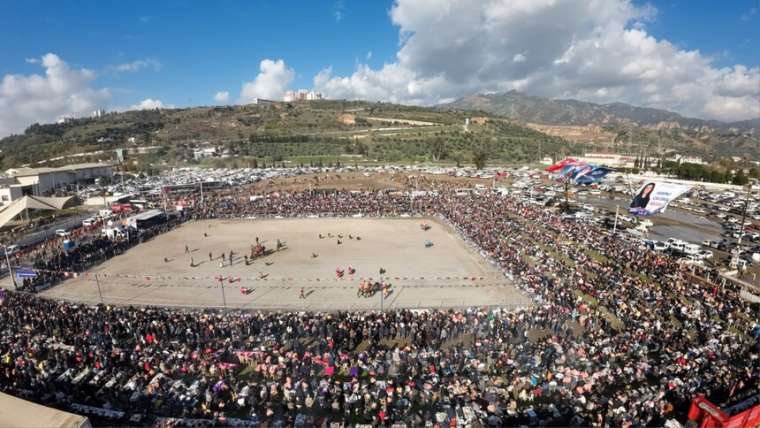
<point x="614" y="227"/>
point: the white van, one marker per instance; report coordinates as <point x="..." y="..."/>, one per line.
<point x="677" y="245"/>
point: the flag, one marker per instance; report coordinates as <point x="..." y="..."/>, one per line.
<point x="592" y="175"/>
<point x="654" y="197"/>
<point x="561" y="164"/>
<point x="578" y="171"/>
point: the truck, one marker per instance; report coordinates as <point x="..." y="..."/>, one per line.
<point x="116" y="231"/>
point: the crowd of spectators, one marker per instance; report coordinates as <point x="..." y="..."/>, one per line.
<point x="618" y="336"/>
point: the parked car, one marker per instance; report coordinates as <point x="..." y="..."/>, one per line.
<point x="63" y="233"/>
<point x="705" y="254"/>
<point x="89" y="222"/>
<point x="694" y="260"/>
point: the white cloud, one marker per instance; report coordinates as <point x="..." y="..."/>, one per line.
<point x="748" y="15"/>
<point x="338" y="10"/>
<point x="135" y="66"/>
<point x="149" y="104"/>
<point x="32" y="60"/>
<point x="222" y="97"/>
<point x="62" y="92"/>
<point x="273" y="80"/>
<point x="596" y="50"/>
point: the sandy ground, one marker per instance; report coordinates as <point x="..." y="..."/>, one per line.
<point x="449" y="274"/>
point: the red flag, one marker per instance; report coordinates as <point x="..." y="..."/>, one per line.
<point x="561" y="164"/>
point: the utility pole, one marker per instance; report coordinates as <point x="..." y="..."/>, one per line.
<point x="567" y="192"/>
<point x="100" y="293"/>
<point x="614" y="227"/>
<point x="540" y="156"/>
<point x="737" y="250"/>
<point x="221" y="285"/>
<point x="382" y="292"/>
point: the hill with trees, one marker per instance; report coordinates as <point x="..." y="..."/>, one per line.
<point x="633" y="129"/>
<point x="304" y="132"/>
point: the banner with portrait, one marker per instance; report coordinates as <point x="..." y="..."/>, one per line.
<point x="579" y="172"/>
<point x="653" y="197"/>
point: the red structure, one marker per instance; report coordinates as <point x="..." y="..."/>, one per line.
<point x="745" y="414"/>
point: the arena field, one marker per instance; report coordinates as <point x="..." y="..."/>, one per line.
<point x="448" y="274"/>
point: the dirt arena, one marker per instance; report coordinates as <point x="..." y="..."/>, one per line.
<point x="448" y="274"/>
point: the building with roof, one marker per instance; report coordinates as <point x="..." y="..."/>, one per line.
<point x="44" y="181"/>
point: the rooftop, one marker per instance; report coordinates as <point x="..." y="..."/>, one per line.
<point x="26" y="171"/>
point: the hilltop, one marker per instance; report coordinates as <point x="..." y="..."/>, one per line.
<point x="619" y="123"/>
<point x="276" y="131"/>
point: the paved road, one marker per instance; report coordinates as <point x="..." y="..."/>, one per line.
<point x="49" y="230"/>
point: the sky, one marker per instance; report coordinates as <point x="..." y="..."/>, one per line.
<point x="699" y="58"/>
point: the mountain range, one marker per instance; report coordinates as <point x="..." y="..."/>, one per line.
<point x="540" y="110"/>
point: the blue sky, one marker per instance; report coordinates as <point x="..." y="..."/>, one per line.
<point x="184" y="52"/>
<point x="202" y="47"/>
<point x="727" y="30"/>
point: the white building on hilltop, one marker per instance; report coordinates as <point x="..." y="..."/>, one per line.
<point x="301" y="95"/>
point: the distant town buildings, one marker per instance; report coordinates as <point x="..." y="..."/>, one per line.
<point x="205" y="152"/>
<point x="678" y="158"/>
<point x="301" y="95"/>
<point x="608" y="159"/>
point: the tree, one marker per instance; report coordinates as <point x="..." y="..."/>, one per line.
<point x="437" y="148"/>
<point x="739" y="178"/>
<point x="479" y="157"/>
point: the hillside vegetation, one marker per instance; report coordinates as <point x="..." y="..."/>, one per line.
<point x="299" y="132"/>
<point x="619" y="126"/>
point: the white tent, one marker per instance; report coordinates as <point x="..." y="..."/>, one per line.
<point x="18" y="413"/>
<point x="33" y="203"/>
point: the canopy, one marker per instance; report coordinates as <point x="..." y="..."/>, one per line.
<point x="34" y="203"/>
<point x="18" y="413"/>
